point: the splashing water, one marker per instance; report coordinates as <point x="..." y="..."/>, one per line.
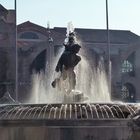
<point x="67" y="111"/>
<point x="90" y="80"/>
<point x="41" y="91"/>
<point x="93" y="83"/>
<point x="70" y="28"/>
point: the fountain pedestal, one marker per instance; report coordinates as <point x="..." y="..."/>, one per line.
<point x="75" y="96"/>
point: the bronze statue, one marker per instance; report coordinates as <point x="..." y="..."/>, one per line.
<point x="66" y="63"/>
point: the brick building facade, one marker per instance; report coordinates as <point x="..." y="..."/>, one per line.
<point x="33" y="45"/>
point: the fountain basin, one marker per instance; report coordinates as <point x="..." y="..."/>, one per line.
<point x="65" y="129"/>
<point x="61" y="122"/>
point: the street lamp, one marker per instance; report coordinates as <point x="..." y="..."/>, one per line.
<point x="108" y="48"/>
<point x="16" y="55"/>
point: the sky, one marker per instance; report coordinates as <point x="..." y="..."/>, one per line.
<point x="91" y="14"/>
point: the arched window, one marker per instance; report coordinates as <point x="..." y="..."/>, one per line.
<point x="29" y="35"/>
<point x="128" y="92"/>
<point x="127" y="66"/>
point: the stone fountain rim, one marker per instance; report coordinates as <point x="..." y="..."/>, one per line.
<point x="67" y="123"/>
<point x="55" y="104"/>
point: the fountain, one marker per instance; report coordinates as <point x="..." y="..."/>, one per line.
<point x="82" y="121"/>
<point x="74" y="115"/>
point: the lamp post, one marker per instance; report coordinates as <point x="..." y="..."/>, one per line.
<point x="16" y="55"/>
<point x="49" y="50"/>
<point x="108" y="48"/>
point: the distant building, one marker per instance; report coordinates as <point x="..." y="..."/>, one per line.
<point x="7" y="50"/>
<point x="33" y="44"/>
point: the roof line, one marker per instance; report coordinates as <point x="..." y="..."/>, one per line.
<point x="92" y="29"/>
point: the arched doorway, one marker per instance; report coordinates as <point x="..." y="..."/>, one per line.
<point x="39" y="63"/>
